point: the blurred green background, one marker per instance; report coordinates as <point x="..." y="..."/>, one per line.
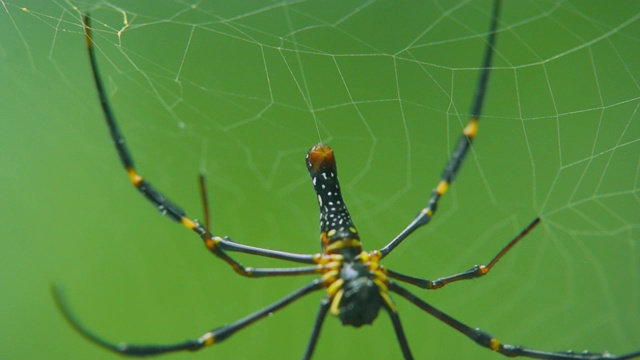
<point x="241" y="91"/>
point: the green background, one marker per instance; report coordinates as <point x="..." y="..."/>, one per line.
<point x="241" y="92"/>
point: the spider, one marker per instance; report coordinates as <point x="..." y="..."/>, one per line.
<point x="356" y="285"/>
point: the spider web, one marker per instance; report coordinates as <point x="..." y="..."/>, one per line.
<point x="241" y="92"/>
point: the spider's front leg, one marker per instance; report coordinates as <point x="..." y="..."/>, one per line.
<point x="216" y="245"/>
<point x="464" y="142"/>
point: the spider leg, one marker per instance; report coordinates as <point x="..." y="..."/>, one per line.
<point x="215" y="244"/>
<point x="322" y="313"/>
<point x="212" y="242"/>
<point x="462" y="148"/>
<point x="209" y="338"/>
<point x="485" y="339"/>
<point x="397" y="326"/>
<point x="474" y="272"/>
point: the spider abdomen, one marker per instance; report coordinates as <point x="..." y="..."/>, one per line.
<point x="360" y="301"/>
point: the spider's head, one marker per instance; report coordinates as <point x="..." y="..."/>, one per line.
<point x="320" y="160"/>
<point x="338" y="233"/>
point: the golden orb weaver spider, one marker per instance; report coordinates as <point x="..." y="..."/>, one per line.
<point x="357" y="285"/>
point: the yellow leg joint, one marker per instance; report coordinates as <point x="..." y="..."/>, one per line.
<point x="494" y="344"/>
<point x="442" y="187"/>
<point x="330" y="276"/>
<point x="483" y="269"/>
<point x="427" y="211"/>
<point x="208" y="339"/>
<point x="188" y="222"/>
<point x="133" y="176"/>
<point x="335" y="287"/>
<point x="387" y="299"/>
<point x="471" y="129"/>
<point x="209" y="243"/>
<point x="335" y="303"/>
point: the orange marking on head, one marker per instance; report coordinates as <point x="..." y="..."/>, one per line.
<point x="320" y="156"/>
